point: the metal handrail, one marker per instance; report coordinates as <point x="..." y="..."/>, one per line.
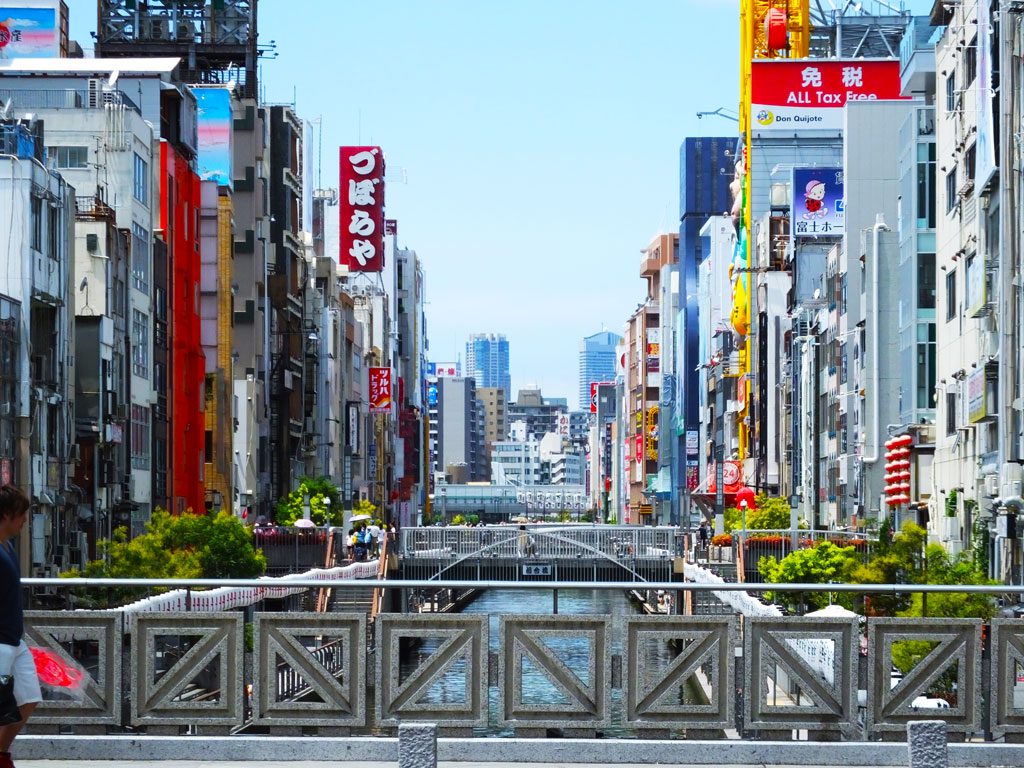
<point x="978" y="589"/>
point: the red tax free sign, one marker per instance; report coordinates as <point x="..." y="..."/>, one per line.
<point x="362" y="209"/>
<point x="810" y="93"/>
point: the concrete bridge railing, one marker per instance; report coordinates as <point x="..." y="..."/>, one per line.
<point x="237" y="672"/>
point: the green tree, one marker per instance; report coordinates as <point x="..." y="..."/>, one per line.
<point x="186" y="546"/>
<point x="899" y="561"/>
<point x="769" y="514"/>
<point x="821" y="564"/>
<point x="317" y="489"/>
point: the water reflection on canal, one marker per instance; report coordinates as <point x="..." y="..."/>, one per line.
<point x="573" y="652"/>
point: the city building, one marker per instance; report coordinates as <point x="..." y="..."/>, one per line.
<point x="457" y="425"/>
<point x="706" y="169"/>
<point x="596" y="363"/>
<point x="38" y="320"/>
<point x="540" y="414"/>
<point x="487" y="361"/>
<point x="643" y="384"/>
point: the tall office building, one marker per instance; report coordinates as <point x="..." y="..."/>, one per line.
<point x="487" y="361"/>
<point x="597" y="363"/>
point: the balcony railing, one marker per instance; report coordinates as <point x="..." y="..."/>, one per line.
<point x="65" y="98"/>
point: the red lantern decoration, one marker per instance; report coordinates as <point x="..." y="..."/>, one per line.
<point x="775" y="31"/>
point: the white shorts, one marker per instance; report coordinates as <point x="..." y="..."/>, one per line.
<point x="26" y="681"/>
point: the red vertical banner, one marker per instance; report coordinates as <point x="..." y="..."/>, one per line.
<point x="380" y="390"/>
<point x="593" y="397"/>
<point x="639" y="454"/>
<point x="361" y="203"/>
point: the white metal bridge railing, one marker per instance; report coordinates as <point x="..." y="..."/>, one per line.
<point x="541" y="540"/>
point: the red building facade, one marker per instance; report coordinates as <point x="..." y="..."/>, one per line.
<point x="179" y="220"/>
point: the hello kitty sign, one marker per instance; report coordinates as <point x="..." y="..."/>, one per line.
<point x="819" y="208"/>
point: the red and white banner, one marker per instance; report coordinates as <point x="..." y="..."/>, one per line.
<point x="797" y="94"/>
<point x="362" y="209"/>
<point x="380" y="390"/>
<point x="593" y="396"/>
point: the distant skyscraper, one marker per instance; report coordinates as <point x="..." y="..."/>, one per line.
<point x="597" y="363"/>
<point x="487" y="361"/>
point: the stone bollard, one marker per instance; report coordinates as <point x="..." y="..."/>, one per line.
<point x="926" y="741"/>
<point x="417" y="745"/>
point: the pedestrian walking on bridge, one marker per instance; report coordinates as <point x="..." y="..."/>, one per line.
<point x="15" y="657"/>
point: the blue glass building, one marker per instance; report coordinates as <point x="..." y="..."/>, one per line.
<point x="487" y="362"/>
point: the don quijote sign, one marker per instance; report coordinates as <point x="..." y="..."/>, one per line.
<point x="799" y="94"/>
<point x="362" y="209"/>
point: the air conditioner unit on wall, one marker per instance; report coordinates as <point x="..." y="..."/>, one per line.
<point x="992" y="485"/>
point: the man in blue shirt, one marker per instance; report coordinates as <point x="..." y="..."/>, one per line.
<point x="15" y="657"/>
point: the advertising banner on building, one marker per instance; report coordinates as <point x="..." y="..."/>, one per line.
<point x="361" y="203"/>
<point x="985" y="153"/>
<point x="214" y="130"/>
<point x="352" y="427"/>
<point x="819" y="207"/>
<point x="444" y="369"/>
<point x="380" y="390"/>
<point x="794" y="95"/>
<point x="638" y="451"/>
<point x="977" y="404"/>
<point x="30" y="30"/>
<point x="653" y="350"/>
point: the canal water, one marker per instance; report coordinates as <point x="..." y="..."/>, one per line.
<point x="573" y="652"/>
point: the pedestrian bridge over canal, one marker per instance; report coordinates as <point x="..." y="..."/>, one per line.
<point x="541" y="552"/>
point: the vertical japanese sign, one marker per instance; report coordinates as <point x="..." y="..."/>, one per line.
<point x="362" y="209"/>
<point x="985" y="155"/>
<point x="819" y="207"/>
<point x="380" y="390"/>
<point x="653" y="350"/>
<point x="593" y="396"/>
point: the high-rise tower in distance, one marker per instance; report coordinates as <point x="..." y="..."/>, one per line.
<point x="487" y="361"/>
<point x="597" y="362"/>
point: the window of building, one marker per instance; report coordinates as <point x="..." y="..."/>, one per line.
<point x="951" y="92"/>
<point x="926" y="281"/>
<point x="140" y="258"/>
<point x="951" y="308"/>
<point x="926" y="185"/>
<point x="971" y="62"/>
<point x="140" y="436"/>
<point x="37" y="223"/>
<point x="140" y="182"/>
<point x="950" y="413"/>
<point x="926" y="366"/>
<point x="69" y="157"/>
<point x="951" y="196"/>
<point x="970" y="161"/>
<point x="140" y="344"/>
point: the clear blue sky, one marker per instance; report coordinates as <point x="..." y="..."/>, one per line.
<point x="539" y="140"/>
